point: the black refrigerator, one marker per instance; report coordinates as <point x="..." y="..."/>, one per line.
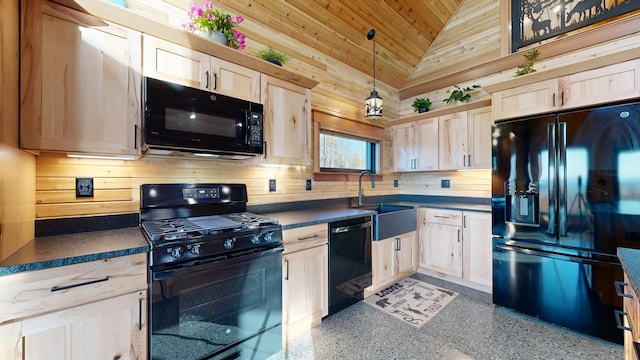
<point x="565" y="195"/>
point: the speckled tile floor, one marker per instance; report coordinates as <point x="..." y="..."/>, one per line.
<point x="470" y="327"/>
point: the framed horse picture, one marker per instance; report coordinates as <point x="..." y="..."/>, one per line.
<point x="536" y="20"/>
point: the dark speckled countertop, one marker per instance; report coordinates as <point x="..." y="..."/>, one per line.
<point x="630" y="260"/>
<point x="59" y="250"/>
<point x="300" y="218"/>
<point x="53" y="251"/>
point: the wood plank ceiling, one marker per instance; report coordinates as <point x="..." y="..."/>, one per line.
<point x="405" y="29"/>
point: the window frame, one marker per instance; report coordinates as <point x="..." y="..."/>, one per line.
<point x="372" y="154"/>
<point x="326" y="122"/>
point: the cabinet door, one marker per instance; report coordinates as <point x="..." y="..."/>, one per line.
<point x="453" y="141"/>
<point x="287" y="119"/>
<point x="606" y="84"/>
<point x="235" y="80"/>
<point x="305" y="289"/>
<point x="426" y="145"/>
<point x="384" y="262"/>
<point x="80" y="82"/>
<point x="444" y="249"/>
<point x="415" y="146"/>
<point x="529" y="99"/>
<point x="108" y="329"/>
<point x="479" y="123"/>
<point x="406" y="246"/>
<point x="167" y="61"/>
<point x="403" y="147"/>
<point x="478" y="255"/>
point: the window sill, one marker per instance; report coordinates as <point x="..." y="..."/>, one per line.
<point x="342" y="176"/>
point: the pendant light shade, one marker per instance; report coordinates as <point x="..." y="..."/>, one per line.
<point x="373" y="104"/>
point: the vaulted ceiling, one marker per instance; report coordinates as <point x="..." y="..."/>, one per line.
<point x="405" y="29"/>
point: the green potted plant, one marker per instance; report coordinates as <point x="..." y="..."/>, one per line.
<point x="459" y="94"/>
<point x="421" y="105"/>
<point x="271" y="55"/>
<point x="530" y="58"/>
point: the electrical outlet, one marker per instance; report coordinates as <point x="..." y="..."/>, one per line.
<point x="308" y="185"/>
<point x="395" y="183"/>
<point x="84" y="187"/>
<point x="272" y="185"/>
<point x="445" y="184"/>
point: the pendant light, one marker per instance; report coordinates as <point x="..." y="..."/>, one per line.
<point x="373" y="104"/>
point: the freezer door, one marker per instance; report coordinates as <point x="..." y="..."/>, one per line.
<point x="524" y="196"/>
<point x="599" y="188"/>
<point x="573" y="292"/>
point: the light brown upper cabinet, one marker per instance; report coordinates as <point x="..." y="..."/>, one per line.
<point x="287" y="122"/>
<point x="175" y="63"/>
<point x="80" y="82"/>
<point x="465" y="140"/>
<point x="415" y="145"/>
<point x="606" y="84"/>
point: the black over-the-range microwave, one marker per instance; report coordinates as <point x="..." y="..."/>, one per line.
<point x="185" y="119"/>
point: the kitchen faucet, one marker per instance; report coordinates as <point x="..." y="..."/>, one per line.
<point x="360" y="193"/>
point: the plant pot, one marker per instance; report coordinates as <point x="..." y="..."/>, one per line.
<point x="274" y="62"/>
<point x="218" y="37"/>
<point x="423" y="110"/>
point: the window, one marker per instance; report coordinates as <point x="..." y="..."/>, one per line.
<point x="344" y="147"/>
<point x="343" y="153"/>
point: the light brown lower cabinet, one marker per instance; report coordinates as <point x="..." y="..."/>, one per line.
<point x="305" y="285"/>
<point x="456" y="245"/>
<point x="105" y="329"/>
<point x="93" y="310"/>
<point x="392" y="259"/>
<point x="631" y="320"/>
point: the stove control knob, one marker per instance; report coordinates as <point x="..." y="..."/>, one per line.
<point x="195" y="249"/>
<point x="255" y="239"/>
<point x="175" y="252"/>
<point x="268" y="237"/>
<point x="228" y="244"/>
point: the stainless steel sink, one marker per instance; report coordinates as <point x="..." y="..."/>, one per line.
<point x="391" y="220"/>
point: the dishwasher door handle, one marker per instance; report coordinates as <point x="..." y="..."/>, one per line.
<point x="344" y="229"/>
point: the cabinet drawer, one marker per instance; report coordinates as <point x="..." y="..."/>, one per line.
<point x="36" y="292"/>
<point x="445" y="217"/>
<point x="305" y="237"/>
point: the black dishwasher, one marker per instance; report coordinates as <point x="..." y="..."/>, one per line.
<point x="349" y="261"/>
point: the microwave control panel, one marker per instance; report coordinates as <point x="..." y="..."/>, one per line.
<point x="255" y="129"/>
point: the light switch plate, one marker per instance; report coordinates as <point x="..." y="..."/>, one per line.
<point x="84" y="187"/>
<point x="272" y="185"/>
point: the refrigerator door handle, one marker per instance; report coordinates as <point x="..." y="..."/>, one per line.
<point x="558" y="256"/>
<point x="551" y="146"/>
<point x="562" y="178"/>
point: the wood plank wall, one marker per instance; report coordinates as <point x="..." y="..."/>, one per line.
<point x="117" y="182"/>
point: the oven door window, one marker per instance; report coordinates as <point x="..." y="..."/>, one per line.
<point x="206" y="309"/>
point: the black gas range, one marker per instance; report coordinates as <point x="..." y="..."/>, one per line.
<point x="215" y="273"/>
<point x="191" y="222"/>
